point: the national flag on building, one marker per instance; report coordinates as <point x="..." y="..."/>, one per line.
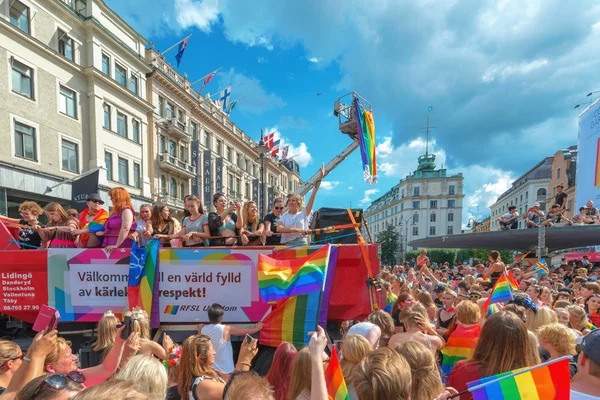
<point x="232" y="105"/>
<point x="182" y="47"/>
<point x="208" y="78"/>
<point x="284" y="153"/>
<point x="269" y="139"/>
<point x="223" y="98"/>
<point x="275" y="148"/>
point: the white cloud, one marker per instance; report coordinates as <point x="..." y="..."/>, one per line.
<point x="299" y="152"/>
<point x="350" y="187"/>
<point x="314" y="60"/>
<point x="367" y="197"/>
<point x="256" y="99"/>
<point x="506" y="70"/>
<point x="329" y="185"/>
<point x="262" y="60"/>
<point x="401" y="161"/>
<point x="201" y="14"/>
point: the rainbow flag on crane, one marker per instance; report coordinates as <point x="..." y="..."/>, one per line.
<point x="366" y="138"/>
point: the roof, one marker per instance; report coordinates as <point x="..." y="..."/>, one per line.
<point x="542" y="170"/>
<point x="518" y="239"/>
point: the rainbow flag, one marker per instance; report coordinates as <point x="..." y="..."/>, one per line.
<point x="336" y="385"/>
<point x="521" y="258"/>
<point x="460" y="346"/>
<point x="142" y="273"/>
<point x="500" y="292"/>
<point x="366" y="138"/>
<point x="541" y="267"/>
<point x="548" y="381"/>
<point x="512" y="281"/>
<point x="390" y="300"/>
<point x="494" y="308"/>
<point x="95" y="225"/>
<point x="281" y="279"/>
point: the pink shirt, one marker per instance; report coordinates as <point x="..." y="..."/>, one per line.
<point x="113" y="227"/>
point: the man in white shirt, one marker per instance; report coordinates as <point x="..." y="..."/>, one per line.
<point x="586" y="384"/>
<point x="509" y="220"/>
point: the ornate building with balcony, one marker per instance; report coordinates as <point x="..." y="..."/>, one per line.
<point x="530" y="188"/>
<point x="564" y="168"/>
<point x="194" y="148"/>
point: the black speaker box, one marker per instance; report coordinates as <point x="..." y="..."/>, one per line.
<point x="336" y="216"/>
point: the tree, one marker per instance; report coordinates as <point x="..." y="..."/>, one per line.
<point x="388" y="239"/>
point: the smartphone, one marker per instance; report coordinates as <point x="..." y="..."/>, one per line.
<point x="128" y="322"/>
<point x="249" y="339"/>
<point x="47" y="318"/>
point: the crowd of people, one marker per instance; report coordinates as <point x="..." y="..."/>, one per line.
<point x="230" y="224"/>
<point x="433" y="338"/>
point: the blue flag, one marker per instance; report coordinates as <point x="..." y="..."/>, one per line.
<point x="430" y="108"/>
<point x="182" y="47"/>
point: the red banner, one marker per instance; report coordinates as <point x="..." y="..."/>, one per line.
<point x="24" y="278"/>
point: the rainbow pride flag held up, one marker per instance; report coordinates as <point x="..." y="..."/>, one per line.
<point x="521" y="258"/>
<point x="548" y="381"/>
<point x="366" y="138"/>
<point x="512" y="281"/>
<point x="541" y="267"/>
<point x="390" y="300"/>
<point x="460" y="346"/>
<point x="280" y="279"/>
<point x="336" y="385"/>
<point x="493" y="309"/>
<point x="500" y="292"/>
<point x="95" y="225"/>
<point x="142" y="272"/>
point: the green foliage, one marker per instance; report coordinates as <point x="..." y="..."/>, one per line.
<point x="452" y="256"/>
<point x="389" y="244"/>
<point x="441" y="256"/>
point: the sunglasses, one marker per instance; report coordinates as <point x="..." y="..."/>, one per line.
<point x="59" y="381"/>
<point x="97" y="201"/>
<point x="278" y="208"/>
<point x="74" y="215"/>
<point x="474" y="296"/>
<point x="20" y="357"/>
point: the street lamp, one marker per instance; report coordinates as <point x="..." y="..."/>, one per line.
<point x="405" y="221"/>
<point x="591" y="93"/>
<point x="262" y="151"/>
<point x="583" y="104"/>
<point x="476" y="222"/>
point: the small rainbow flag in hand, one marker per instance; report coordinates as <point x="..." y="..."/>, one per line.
<point x="512" y="281"/>
<point x="541" y="267"/>
<point x="336" y="385"/>
<point x="460" y="346"/>
<point x="548" y="381"/>
<point x="500" y="292"/>
<point x="281" y="279"/>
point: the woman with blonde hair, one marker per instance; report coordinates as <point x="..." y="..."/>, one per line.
<point x="354" y="349"/>
<point x="558" y="340"/>
<point x="29" y="237"/>
<point x="112" y="390"/>
<point x="538" y="318"/>
<point x="578" y="319"/>
<point x="301" y="376"/>
<point x="141" y="325"/>
<point x="426" y="384"/>
<point x="39" y="389"/>
<point x="149" y="374"/>
<point x="253" y="226"/>
<point x="57" y="233"/>
<point x="417" y="329"/>
<point x="383" y="375"/>
<point x="11" y="358"/>
<point x="294" y="223"/>
<point x="426" y="300"/>
<point x="462" y="341"/>
<point x="107" y="330"/>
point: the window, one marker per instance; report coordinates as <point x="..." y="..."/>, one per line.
<point x="205" y="139"/>
<point x="135" y="130"/>
<point x="172" y="148"/>
<point x="402" y="207"/>
<point x="105" y="64"/>
<point x="122" y="125"/>
<point x="182" y="152"/>
<point x="163" y="185"/>
<point x="451" y="203"/>
<point x="451" y="190"/>
<point x="137" y="175"/>
<point x="180" y="116"/>
<point x="431" y="217"/>
<point x="161" y="106"/>
<point x="432" y="230"/>
<point x="526" y="195"/>
<point x="69" y="156"/>
<point x="170" y="111"/>
<point x="433" y="204"/>
<point x="402" y="193"/>
<point x="416" y="218"/>
<point x="416" y="191"/>
<point x="415" y="231"/>
<point x="123" y="171"/>
<point x="161" y="144"/>
<point x="19" y="15"/>
<point x="182" y="191"/>
<point x="22" y="79"/>
<point x="238" y="187"/>
<point x="133" y="84"/>
<point x="68" y="102"/>
<point x="120" y="75"/>
<point x="227" y="153"/>
<point x="218" y="150"/>
<point x="557" y="173"/>
<point x="450" y="217"/>
<point x="194" y="130"/>
<point x="108" y="165"/>
<point x="416" y="204"/>
<point x="25" y="141"/>
<point x="172" y="187"/>
<point x="229" y="183"/>
<point x="450" y="230"/>
<point x="106" y="116"/>
<point x="66" y="45"/>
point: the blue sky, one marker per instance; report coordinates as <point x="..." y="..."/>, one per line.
<point x="502" y="77"/>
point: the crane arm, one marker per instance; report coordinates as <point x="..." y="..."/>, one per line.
<point x="337" y="160"/>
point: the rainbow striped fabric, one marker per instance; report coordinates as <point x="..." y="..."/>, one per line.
<point x="512" y="281"/>
<point x="500" y="292"/>
<point x="280" y="279"/>
<point x="494" y="308"/>
<point x="460" y="346"/>
<point x="541" y="267"/>
<point x="336" y="385"/>
<point x="390" y="299"/>
<point x="546" y="381"/>
<point x="95" y="225"/>
<point x="366" y="138"/>
<point x="142" y="274"/>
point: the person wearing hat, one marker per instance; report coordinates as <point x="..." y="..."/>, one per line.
<point x="586" y="384"/>
<point x="91" y="220"/>
<point x="534" y="216"/>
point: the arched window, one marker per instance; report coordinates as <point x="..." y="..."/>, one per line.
<point x="541" y="194"/>
<point x="163" y="185"/>
<point x="172" y="188"/>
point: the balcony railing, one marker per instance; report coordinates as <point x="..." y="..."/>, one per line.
<point x="175" y="165"/>
<point x="171" y="201"/>
<point x="177" y="128"/>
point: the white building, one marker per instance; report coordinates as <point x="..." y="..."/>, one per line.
<point x="73" y="98"/>
<point x="426" y="203"/>
<point x="531" y="187"/>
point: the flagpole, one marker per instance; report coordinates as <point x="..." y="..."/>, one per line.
<point x="218" y="91"/>
<point x="482" y="385"/>
<point x="204" y="77"/>
<point x="172" y="47"/>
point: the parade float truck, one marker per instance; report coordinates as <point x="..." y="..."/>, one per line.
<point x="84" y="283"/>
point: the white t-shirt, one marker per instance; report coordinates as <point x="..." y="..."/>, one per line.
<point x="582" y="396"/>
<point x="223" y="349"/>
<point x="196" y="225"/>
<point x="298" y="220"/>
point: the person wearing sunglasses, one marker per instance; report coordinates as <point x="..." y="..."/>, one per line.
<point x="55" y="387"/>
<point x="91" y="220"/>
<point x="271" y="220"/>
<point x="11" y="358"/>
